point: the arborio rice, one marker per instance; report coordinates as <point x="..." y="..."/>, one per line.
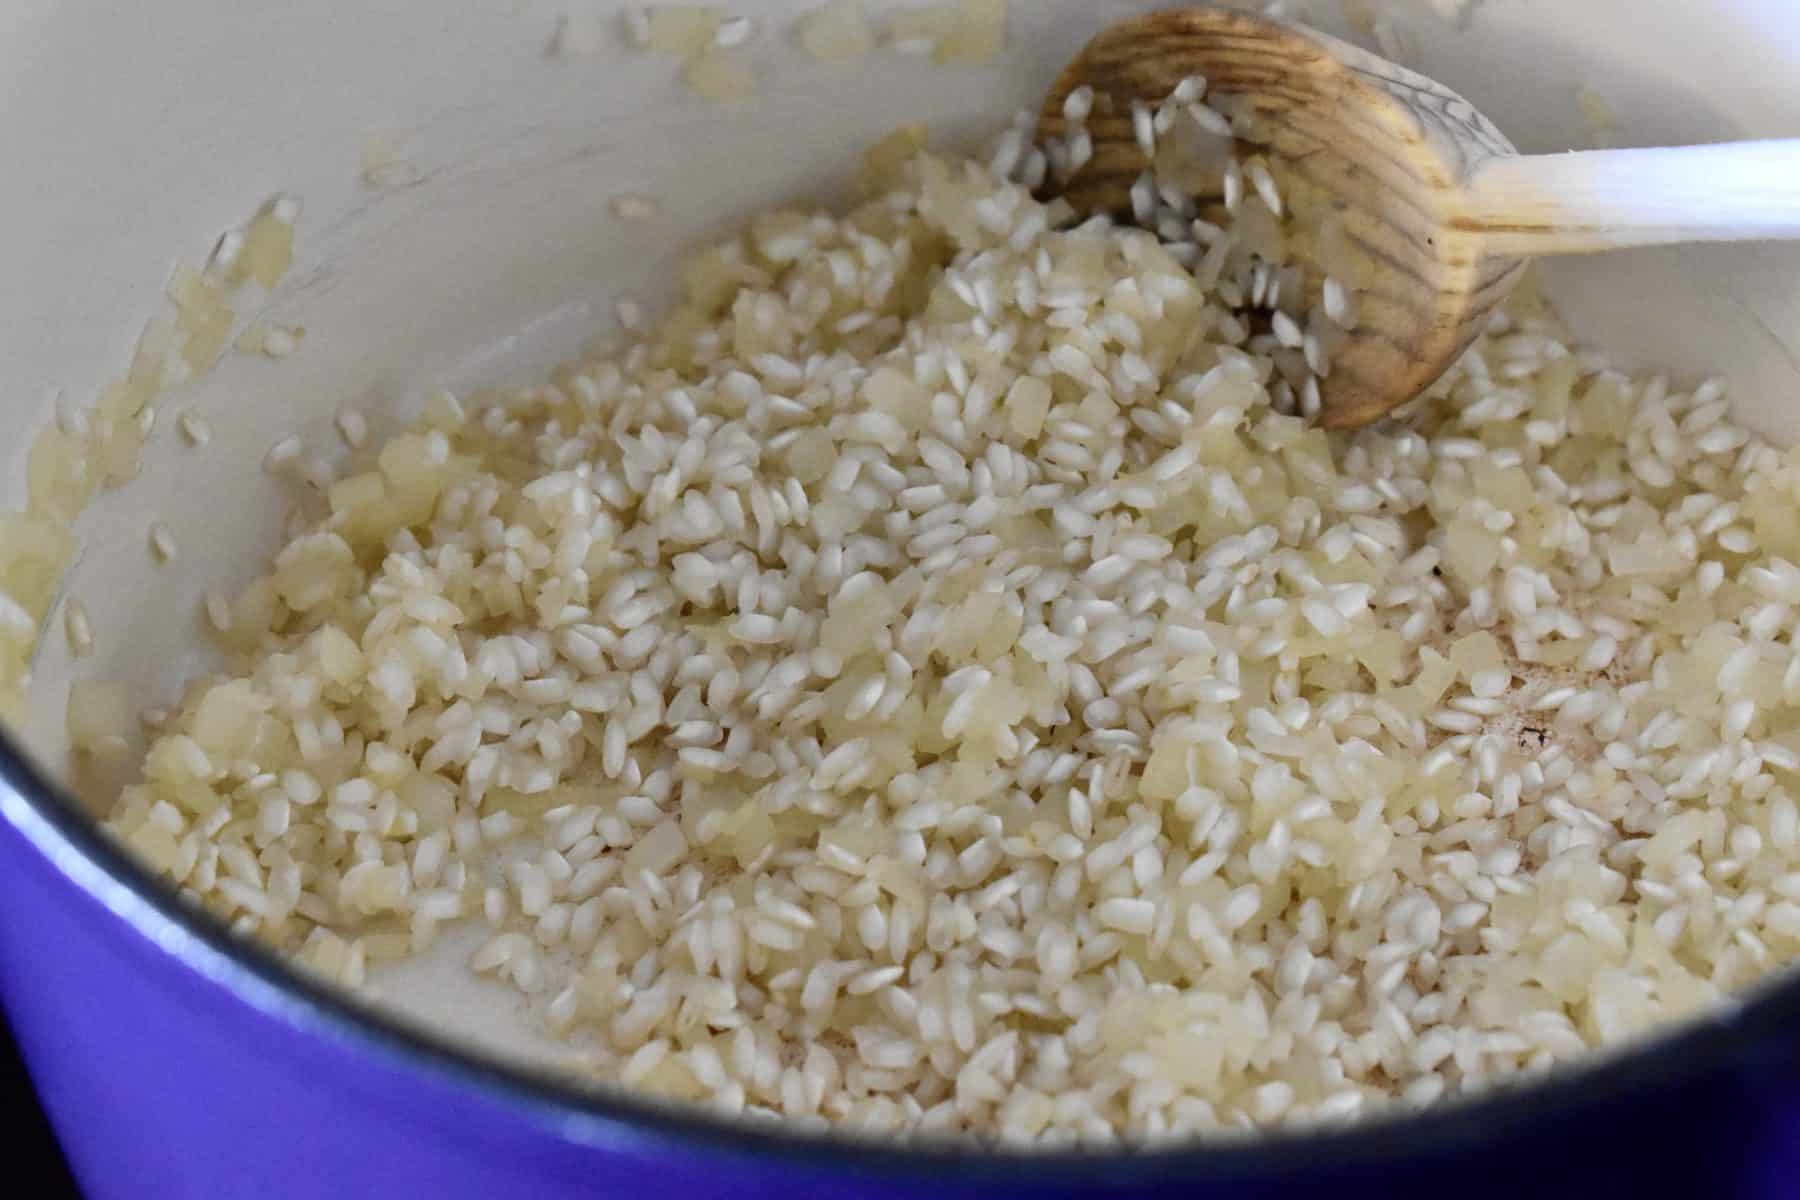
<point x="926" y="685"/>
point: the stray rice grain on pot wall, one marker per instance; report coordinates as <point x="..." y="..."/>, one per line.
<point x="937" y="680"/>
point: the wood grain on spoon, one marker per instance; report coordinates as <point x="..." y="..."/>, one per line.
<point x="1440" y="207"/>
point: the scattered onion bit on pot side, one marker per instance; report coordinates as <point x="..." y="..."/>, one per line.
<point x="100" y="448"/>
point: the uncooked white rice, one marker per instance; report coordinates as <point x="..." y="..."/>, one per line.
<point x="78" y="628"/>
<point x="162" y="543"/>
<point x="633" y="206"/>
<point x="195" y="429"/>
<point x="926" y="684"/>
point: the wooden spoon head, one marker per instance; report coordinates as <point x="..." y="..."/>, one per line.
<point x="1388" y="149"/>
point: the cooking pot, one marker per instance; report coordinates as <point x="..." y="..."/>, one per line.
<point x="454" y="160"/>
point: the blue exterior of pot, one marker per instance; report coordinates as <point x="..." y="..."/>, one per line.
<point x="176" y="1062"/>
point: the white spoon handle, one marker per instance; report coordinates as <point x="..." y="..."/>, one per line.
<point x="1593" y="200"/>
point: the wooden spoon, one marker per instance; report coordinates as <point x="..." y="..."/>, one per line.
<point x="1442" y="207"/>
